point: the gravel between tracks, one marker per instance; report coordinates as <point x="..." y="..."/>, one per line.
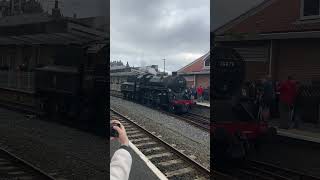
<point x="193" y="141"/>
<point x="67" y="152"/>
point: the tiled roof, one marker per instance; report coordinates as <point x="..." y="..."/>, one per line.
<point x="275" y="17"/>
<point x="195" y="66"/>
<point x="25" y="19"/>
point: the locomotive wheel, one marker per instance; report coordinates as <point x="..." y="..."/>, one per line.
<point x="270" y="135"/>
<point x="221" y="142"/>
<point x="172" y="109"/>
<point x="240" y="147"/>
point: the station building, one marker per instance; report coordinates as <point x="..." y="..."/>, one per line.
<point x="197" y="72"/>
<point x="277" y="38"/>
<point x="280" y="38"/>
<point x="29" y="41"/>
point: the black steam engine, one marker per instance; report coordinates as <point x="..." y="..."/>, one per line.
<point x="235" y="129"/>
<point x="169" y="92"/>
<point x="72" y="89"/>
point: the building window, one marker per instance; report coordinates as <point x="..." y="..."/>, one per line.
<point x="310" y="9"/>
<point x="206" y="64"/>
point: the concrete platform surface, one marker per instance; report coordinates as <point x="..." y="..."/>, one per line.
<point x="139" y="169"/>
<point x="300" y="134"/>
<point x="306" y="132"/>
<point x="204" y="103"/>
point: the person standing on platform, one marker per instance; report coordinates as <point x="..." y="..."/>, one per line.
<point x="193" y="92"/>
<point x="288" y="92"/>
<point x="200" y="93"/>
<point x="277" y="99"/>
<point x="297" y="113"/>
<point x="268" y="97"/>
<point x="121" y="161"/>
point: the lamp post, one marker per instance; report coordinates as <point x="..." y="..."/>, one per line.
<point x="164" y="66"/>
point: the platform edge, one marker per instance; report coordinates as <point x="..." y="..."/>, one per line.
<point x="153" y="168"/>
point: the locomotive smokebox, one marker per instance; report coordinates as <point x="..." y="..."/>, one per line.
<point x="176" y="83"/>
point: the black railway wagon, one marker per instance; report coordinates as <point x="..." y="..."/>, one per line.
<point x="73" y="90"/>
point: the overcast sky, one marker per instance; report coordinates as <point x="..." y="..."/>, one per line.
<point x="223" y="11"/>
<point x="143" y="32"/>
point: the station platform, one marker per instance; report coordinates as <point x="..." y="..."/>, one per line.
<point x="305" y="132"/>
<point x="141" y="167"/>
<point x="204" y="103"/>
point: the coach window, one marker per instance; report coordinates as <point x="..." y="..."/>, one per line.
<point x="310" y="9"/>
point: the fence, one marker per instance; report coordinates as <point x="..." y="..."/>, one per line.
<point x="17" y="80"/>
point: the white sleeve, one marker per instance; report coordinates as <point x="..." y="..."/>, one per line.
<point x="120" y="165"/>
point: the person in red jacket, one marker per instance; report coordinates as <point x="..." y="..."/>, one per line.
<point x="288" y="93"/>
<point x="200" y="93"/>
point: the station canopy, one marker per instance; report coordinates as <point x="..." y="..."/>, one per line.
<point x="42" y="29"/>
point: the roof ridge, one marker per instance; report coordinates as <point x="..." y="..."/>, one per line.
<point x="243" y="16"/>
<point x="193" y="62"/>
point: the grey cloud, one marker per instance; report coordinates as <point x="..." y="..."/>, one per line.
<point x="159" y="29"/>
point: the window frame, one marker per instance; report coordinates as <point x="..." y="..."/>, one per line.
<point x="303" y="17"/>
<point x="207" y="58"/>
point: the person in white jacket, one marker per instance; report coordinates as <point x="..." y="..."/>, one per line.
<point x="121" y="161"/>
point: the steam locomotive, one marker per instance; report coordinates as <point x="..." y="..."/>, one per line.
<point x="236" y="130"/>
<point x="169" y="92"/>
<point x="70" y="89"/>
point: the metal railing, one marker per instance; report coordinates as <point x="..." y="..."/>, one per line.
<point x="18" y="80"/>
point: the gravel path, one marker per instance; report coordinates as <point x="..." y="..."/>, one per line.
<point x="61" y="151"/>
<point x="193" y="141"/>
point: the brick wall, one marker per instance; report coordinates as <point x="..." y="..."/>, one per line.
<point x="298" y="58"/>
<point x="203" y="80"/>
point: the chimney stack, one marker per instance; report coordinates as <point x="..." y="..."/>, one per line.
<point x="56" y="11"/>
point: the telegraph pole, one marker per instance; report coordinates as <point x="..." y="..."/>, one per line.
<point x="164" y="66"/>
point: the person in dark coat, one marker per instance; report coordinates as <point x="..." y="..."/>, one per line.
<point x="268" y="96"/>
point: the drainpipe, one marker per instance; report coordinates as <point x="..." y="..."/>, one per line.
<point x="194" y="80"/>
<point x="270" y="58"/>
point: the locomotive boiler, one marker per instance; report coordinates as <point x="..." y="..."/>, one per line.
<point x="168" y="92"/>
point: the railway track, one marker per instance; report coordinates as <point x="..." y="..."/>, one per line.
<point x="172" y="162"/>
<point x="12" y="167"/>
<point x="196" y="120"/>
<point x="264" y="171"/>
